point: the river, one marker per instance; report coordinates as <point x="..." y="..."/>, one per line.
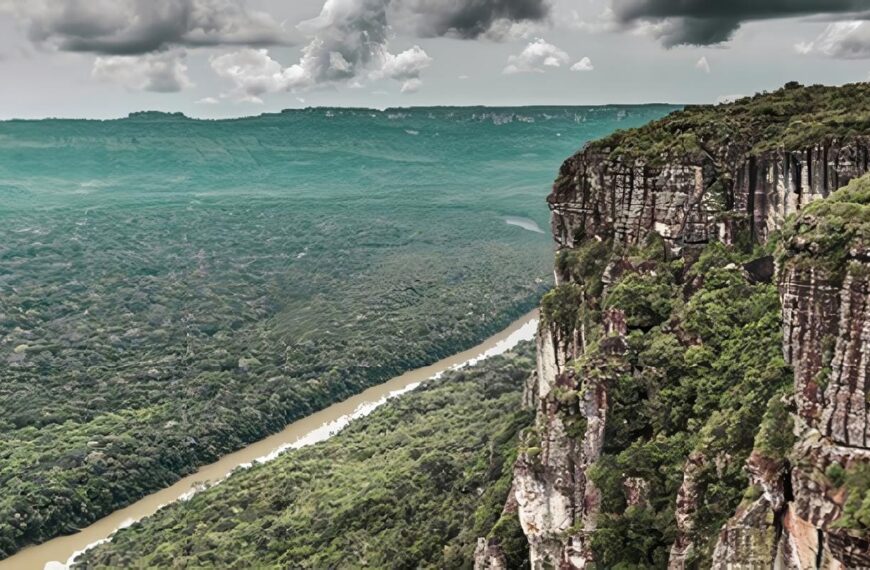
<point x="60" y="552"/>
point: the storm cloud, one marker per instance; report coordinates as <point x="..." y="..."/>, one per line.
<point x="136" y="27"/>
<point x="348" y="40"/>
<point x="466" y="19"/>
<point x="706" y="22"/>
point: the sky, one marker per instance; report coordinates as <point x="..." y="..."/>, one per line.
<point x="226" y="58"/>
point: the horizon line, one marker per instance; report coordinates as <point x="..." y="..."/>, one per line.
<point x="183" y="115"/>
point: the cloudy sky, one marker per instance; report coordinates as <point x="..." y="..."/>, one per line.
<point x="218" y="58"/>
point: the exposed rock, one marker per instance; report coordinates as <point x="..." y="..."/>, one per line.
<point x="845" y="413"/>
<point x="636" y="492"/>
<point x="751" y="538"/>
<point x="761" y="270"/>
<point x="734" y="193"/>
<point x="489" y="556"/>
<point x="604" y="197"/>
<point x="557" y="503"/>
<point x="747" y="542"/>
<point x="809" y="316"/>
<point x="691" y="200"/>
<point x="687" y="504"/>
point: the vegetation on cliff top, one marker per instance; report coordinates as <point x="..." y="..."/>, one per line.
<point x="792" y="117"/>
<point x="827" y="233"/>
<point x="410" y="486"/>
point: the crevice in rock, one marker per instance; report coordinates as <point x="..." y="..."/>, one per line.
<point x="820" y="552"/>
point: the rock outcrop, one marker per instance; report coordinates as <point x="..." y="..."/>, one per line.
<point x="558" y="504"/>
<point x="691" y="185"/>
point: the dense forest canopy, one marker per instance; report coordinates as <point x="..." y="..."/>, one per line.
<point x="411" y="486"/>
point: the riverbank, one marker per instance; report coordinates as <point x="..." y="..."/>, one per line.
<point x="60" y="552"/>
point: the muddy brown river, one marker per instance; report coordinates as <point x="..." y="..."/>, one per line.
<point x="60" y="552"/>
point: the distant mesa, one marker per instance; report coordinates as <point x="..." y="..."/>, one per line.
<point x="157" y="115"/>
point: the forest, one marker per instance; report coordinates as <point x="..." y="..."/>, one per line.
<point x="413" y="485"/>
<point x="701" y="385"/>
<point x="173" y="289"/>
<point x="792" y="117"/>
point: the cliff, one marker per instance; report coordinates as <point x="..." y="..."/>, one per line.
<point x="701" y="389"/>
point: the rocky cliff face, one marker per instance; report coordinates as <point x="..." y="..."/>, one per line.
<point x="693" y="199"/>
<point x="557" y="503"/>
<point x="802" y="506"/>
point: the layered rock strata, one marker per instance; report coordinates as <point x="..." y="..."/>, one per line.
<point x="733" y="194"/>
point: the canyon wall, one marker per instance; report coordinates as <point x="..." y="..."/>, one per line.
<point x="731" y="192"/>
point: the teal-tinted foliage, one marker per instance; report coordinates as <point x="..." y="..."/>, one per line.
<point x="172" y="289"/>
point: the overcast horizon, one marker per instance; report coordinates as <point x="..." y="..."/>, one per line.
<point x="234" y="58"/>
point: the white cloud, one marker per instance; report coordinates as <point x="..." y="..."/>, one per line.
<point x="505" y="29"/>
<point x="843" y="40"/>
<point x="348" y="42"/>
<point x="406" y="65"/>
<point x="536" y="56"/>
<point x="254" y="73"/>
<point x="703" y="64"/>
<point x="804" y="48"/>
<point x="208" y="101"/>
<point x="604" y="22"/>
<point x="584" y="64"/>
<point x="163" y="72"/>
<point x="412" y="85"/>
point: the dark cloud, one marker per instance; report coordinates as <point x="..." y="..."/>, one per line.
<point x="468" y="18"/>
<point x="707" y="22"/>
<point x="136" y="27"/>
<point x="133" y="27"/>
